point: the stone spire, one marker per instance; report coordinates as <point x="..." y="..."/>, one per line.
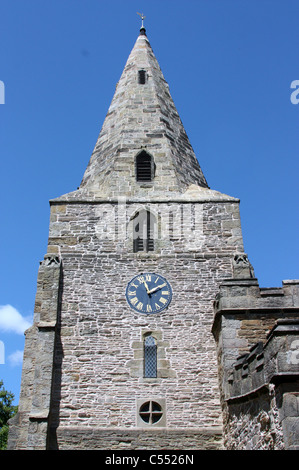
<point x="142" y="116"/>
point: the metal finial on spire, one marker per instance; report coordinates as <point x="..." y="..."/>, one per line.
<point x="142" y="18"/>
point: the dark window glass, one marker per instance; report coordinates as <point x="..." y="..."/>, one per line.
<point x="141" y="77"/>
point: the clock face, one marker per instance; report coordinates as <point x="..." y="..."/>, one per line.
<point x="148" y="293"/>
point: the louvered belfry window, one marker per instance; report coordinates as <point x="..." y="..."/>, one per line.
<point x="144" y="167"/>
<point x="150" y="357"/>
<point x="143" y="236"/>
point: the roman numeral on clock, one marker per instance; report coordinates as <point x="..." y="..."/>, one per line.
<point x="133" y="292"/>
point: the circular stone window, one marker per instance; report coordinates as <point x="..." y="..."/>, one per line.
<point x="150" y="412"/>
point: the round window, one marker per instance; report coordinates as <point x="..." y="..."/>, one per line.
<point x="150" y="412"/>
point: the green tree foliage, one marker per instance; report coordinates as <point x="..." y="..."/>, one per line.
<point x="7" y="411"/>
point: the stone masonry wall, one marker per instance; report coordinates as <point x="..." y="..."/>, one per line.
<point x="139" y="439"/>
<point x="255" y="424"/>
<point x="263" y="411"/>
<point x="259" y="381"/>
<point x="99" y="331"/>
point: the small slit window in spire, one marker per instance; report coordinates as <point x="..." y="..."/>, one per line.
<point x="141" y="77"/>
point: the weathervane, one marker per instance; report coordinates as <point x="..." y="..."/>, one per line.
<point x="142" y="18"/>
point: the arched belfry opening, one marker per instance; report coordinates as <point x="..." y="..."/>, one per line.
<point x="144" y="226"/>
<point x="145" y="167"/>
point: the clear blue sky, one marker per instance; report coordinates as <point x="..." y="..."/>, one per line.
<point x="229" y="65"/>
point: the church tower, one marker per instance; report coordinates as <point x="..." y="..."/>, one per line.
<point x="121" y="353"/>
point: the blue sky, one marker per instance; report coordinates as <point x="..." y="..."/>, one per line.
<point x="229" y="65"/>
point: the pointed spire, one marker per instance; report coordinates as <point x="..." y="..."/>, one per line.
<point x="142" y="116"/>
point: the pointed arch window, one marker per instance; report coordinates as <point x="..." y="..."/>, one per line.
<point x="143" y="231"/>
<point x="144" y="167"/>
<point x="150" y="356"/>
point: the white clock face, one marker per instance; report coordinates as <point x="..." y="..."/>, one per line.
<point x="148" y="293"/>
